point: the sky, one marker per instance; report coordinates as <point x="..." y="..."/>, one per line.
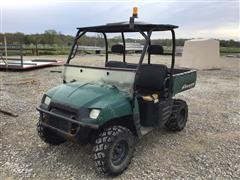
<point x="217" y="19"/>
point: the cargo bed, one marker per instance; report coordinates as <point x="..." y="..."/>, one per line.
<point x="183" y="79"/>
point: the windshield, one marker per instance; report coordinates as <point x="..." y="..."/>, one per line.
<point x="122" y="80"/>
<point x="88" y="62"/>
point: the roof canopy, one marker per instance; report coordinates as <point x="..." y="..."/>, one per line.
<point x="125" y="27"/>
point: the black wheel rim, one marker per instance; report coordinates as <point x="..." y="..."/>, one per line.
<point x="119" y="153"/>
<point x="182" y="118"/>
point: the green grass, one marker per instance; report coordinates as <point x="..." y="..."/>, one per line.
<point x="229" y="50"/>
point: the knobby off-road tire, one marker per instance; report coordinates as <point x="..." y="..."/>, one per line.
<point x="48" y="136"/>
<point x="179" y="116"/>
<point x="113" y="150"/>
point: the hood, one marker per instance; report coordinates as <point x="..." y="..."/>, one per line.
<point x="86" y="95"/>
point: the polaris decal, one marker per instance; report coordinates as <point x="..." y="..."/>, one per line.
<point x="187" y="86"/>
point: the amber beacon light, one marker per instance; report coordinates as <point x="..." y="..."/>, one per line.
<point x="135" y="12"/>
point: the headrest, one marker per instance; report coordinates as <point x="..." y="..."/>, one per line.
<point x="155" y="49"/>
<point x="117" y="48"/>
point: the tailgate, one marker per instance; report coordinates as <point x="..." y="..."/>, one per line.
<point x="184" y="81"/>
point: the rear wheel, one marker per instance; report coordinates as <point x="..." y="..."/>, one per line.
<point x="178" y="118"/>
<point x="48" y="136"/>
<point x="113" y="150"/>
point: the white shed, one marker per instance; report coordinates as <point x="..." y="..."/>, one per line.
<point x="201" y="54"/>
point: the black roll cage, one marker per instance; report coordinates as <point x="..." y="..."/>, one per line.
<point x="147" y="37"/>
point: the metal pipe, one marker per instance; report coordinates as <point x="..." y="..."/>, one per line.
<point x="21" y="54"/>
<point x="147" y="37"/>
<point x="124" y="47"/>
<point x="106" y="47"/>
<point x="78" y="35"/>
<point x="6" y="55"/>
<point x="173" y="50"/>
<point x="149" y="55"/>
<point x="173" y="62"/>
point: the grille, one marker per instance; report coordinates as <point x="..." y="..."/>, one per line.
<point x="59" y="123"/>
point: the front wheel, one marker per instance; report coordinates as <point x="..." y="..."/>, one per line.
<point x="178" y="118"/>
<point x="113" y="150"/>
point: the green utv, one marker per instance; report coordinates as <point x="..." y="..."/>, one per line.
<point x="115" y="105"/>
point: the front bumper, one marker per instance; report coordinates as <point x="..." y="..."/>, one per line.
<point x="84" y="124"/>
<point x="71" y="129"/>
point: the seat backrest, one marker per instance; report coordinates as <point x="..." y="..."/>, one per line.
<point x="119" y="64"/>
<point x="117" y="48"/>
<point x="151" y="77"/>
<point x="155" y="49"/>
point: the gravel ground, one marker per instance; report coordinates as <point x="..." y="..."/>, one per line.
<point x="208" y="148"/>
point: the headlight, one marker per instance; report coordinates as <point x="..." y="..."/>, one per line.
<point x="47" y="100"/>
<point x="94" y="113"/>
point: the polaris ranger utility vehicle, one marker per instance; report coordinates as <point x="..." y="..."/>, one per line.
<point x="114" y="105"/>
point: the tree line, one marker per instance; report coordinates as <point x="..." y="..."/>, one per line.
<point x="49" y="37"/>
<point x="52" y="37"/>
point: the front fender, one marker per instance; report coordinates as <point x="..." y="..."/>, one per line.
<point x="120" y="108"/>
